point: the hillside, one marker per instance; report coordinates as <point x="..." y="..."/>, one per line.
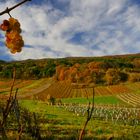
<point x="125" y="94"/>
<point x="117" y="76"/>
<point x="54" y="95"/>
<point x="77" y="69"/>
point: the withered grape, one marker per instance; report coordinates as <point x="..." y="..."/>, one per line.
<point x="14" y="40"/>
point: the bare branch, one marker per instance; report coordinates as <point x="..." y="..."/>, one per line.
<point x="9" y="101"/>
<point x="89" y="115"/>
<point x="7" y="10"/>
<point x="9" y="105"/>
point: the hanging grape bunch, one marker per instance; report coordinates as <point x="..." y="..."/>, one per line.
<point x="14" y="40"/>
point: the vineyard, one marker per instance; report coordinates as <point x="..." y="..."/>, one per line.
<point x="64" y="121"/>
<point x="56" y="90"/>
<point x="112" y="113"/>
<point x="79" y="97"/>
<point x="115" y="107"/>
<point x="129" y="98"/>
<point x="66" y="90"/>
<point x="41" y="89"/>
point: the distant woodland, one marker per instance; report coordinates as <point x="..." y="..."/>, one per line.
<point x="106" y="70"/>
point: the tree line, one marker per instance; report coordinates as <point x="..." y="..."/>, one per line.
<point x="99" y="70"/>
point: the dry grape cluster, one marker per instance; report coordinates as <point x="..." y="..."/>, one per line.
<point x="14" y="40"/>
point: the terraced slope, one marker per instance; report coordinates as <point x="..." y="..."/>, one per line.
<point x="130" y="98"/>
<point x="40" y="89"/>
<point x="57" y="90"/>
<point x="66" y="90"/>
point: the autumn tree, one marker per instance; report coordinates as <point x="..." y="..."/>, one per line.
<point x="60" y="70"/>
<point x="112" y="76"/>
<point x="136" y="63"/>
<point x="134" y="77"/>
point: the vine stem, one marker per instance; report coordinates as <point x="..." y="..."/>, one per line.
<point x="7" y="10"/>
<point x="90" y="110"/>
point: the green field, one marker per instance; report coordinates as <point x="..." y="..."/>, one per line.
<point x="97" y="100"/>
<point x="69" y="125"/>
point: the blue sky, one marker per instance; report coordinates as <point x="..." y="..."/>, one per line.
<point x="64" y="28"/>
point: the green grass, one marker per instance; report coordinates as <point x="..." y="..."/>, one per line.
<point x="97" y="100"/>
<point x="62" y="123"/>
<point x="4" y="92"/>
<point x="58" y="117"/>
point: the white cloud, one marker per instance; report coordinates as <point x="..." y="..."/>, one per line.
<point x="108" y="27"/>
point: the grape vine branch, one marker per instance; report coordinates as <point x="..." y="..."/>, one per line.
<point x="7" y="10"/>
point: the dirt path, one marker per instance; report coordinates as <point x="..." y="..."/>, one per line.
<point x="37" y="90"/>
<point x="32" y="92"/>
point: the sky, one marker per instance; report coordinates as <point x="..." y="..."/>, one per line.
<point x="69" y="28"/>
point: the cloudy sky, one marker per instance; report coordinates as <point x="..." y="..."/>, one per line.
<point x="64" y="28"/>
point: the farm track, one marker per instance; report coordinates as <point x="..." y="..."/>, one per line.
<point x="33" y="92"/>
<point x="26" y="92"/>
